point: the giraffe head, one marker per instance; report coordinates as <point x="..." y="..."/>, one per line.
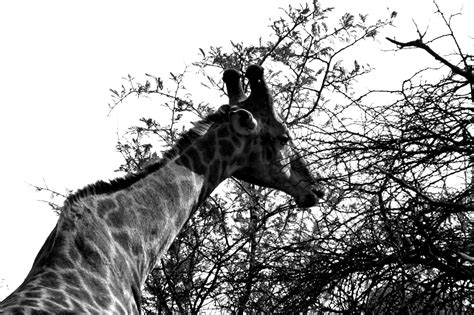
<point x="269" y="157"/>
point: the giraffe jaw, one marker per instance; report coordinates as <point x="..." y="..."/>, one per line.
<point x="309" y="198"/>
<point x="307" y="201"/>
<point x="305" y="196"/>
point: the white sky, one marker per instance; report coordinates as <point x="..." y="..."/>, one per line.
<point x="58" y="60"/>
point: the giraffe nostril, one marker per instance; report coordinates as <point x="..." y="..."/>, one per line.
<point x="311" y="198"/>
<point x="308" y="201"/>
<point x="318" y="192"/>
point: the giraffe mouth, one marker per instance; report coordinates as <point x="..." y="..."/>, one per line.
<point x="310" y="199"/>
<point x="318" y="192"/>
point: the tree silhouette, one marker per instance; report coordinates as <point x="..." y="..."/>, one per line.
<point x="395" y="232"/>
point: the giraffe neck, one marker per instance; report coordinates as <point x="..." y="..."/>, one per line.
<point x="105" y="245"/>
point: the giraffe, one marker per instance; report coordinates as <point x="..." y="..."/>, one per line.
<point x="110" y="235"/>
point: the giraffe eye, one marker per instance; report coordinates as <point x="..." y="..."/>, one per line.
<point x="283" y="139"/>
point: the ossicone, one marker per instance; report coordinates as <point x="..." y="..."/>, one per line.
<point x="233" y="82"/>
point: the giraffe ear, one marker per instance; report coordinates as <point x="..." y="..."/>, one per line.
<point x="224" y="109"/>
<point x="243" y="122"/>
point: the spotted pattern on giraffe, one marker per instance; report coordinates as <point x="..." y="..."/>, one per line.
<point x="196" y="163"/>
<point x="226" y="148"/>
<point x="208" y="149"/>
<point x="104" y="206"/>
<point x="223" y="132"/>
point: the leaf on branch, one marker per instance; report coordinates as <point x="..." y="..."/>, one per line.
<point x="326" y="51"/>
<point x="158" y="81"/>
<point x="173" y="76"/>
<point x="356" y="66"/>
<point x="347" y="20"/>
<point x="315" y="29"/>
<point x="320" y="70"/>
<point x="372" y="33"/>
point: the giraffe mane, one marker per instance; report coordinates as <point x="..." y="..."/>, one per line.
<point x="186" y="139"/>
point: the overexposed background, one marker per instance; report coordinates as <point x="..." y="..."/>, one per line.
<point x="58" y="60"/>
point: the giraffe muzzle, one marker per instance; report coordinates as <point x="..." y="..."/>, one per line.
<point x="310" y="199"/>
<point x="318" y="192"/>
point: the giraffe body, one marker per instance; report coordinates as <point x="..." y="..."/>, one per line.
<point x="111" y="235"/>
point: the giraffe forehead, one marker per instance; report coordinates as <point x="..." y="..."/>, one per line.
<point x="274" y="126"/>
<point x="271" y="121"/>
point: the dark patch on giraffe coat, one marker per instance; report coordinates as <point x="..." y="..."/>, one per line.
<point x="71" y="278"/>
<point x="226" y="148"/>
<point x="120" y="308"/>
<point x="47" y="248"/>
<point x="207" y="147"/>
<point x="61" y="261"/>
<point x="116" y="219"/>
<point x="124" y="200"/>
<point x="78" y="306"/>
<point x="137" y="295"/>
<point x="49" y="279"/>
<point x="168" y="197"/>
<point x="252" y="158"/>
<point x="96" y="285"/>
<point x="154" y="232"/>
<point x="186" y="187"/>
<point x="136" y="279"/>
<point x="117" y="290"/>
<point x="269" y="153"/>
<point x="240" y="161"/>
<point x="248" y="145"/>
<point x="151" y="216"/>
<point x="68" y="224"/>
<point x="127" y="244"/>
<point x="158" y="186"/>
<point x="203" y="195"/>
<point x="91" y="258"/>
<point x="73" y="253"/>
<point x="223" y="131"/>
<point x="180" y="218"/>
<point x="17" y="311"/>
<point x="137" y="249"/>
<point x="80" y="294"/>
<point x="163" y="244"/>
<point x="236" y="141"/>
<point x="195" y="159"/>
<point x="184" y="161"/>
<point x="103" y="300"/>
<point x="223" y="168"/>
<point x="28" y="302"/>
<point x="123" y="240"/>
<point x="147" y="197"/>
<point x="33" y="294"/>
<point x="104" y="206"/>
<point x="52" y="307"/>
<point x="214" y="173"/>
<point x="58" y="297"/>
